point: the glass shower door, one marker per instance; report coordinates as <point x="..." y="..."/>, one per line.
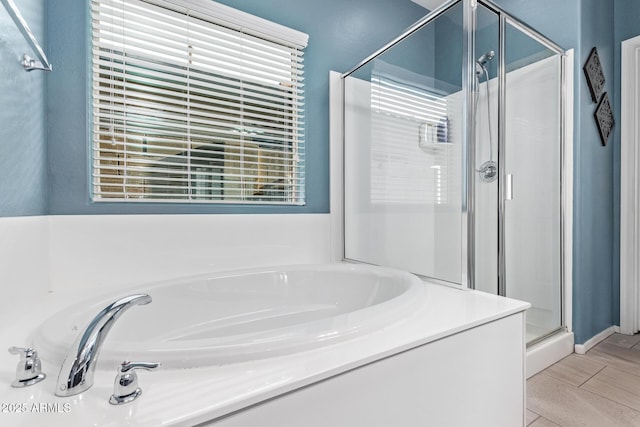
<point x="530" y="153"/>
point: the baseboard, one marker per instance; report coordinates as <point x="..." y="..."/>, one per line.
<point x="593" y="341"/>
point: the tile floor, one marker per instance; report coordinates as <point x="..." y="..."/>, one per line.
<point x="600" y="388"/>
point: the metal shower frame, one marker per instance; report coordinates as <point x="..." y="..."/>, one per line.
<point x="468" y="213"/>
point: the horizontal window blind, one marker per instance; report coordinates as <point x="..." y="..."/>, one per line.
<point x="188" y="108"/>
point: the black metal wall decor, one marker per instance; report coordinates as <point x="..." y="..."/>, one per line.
<point x="604" y="118"/>
<point x="595" y="80"/>
<point x="595" y="76"/>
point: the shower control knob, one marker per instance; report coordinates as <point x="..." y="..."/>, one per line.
<point x="29" y="369"/>
<point x="125" y="388"/>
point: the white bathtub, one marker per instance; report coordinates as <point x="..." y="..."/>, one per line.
<point x="338" y="344"/>
<point x="244" y="315"/>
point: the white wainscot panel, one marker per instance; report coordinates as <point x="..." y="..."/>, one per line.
<point x="106" y="251"/>
<point x="24" y="258"/>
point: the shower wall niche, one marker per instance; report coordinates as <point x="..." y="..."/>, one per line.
<point x="453" y="137"/>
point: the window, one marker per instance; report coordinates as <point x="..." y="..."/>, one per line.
<point x="195" y="102"/>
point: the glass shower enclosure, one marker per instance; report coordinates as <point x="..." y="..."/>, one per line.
<point x="453" y="154"/>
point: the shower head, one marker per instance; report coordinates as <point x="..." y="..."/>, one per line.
<point x="481" y="61"/>
<point x="487" y="56"/>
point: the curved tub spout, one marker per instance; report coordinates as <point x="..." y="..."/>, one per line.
<point x="76" y="374"/>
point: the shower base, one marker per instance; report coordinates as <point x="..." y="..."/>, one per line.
<point x="548" y="351"/>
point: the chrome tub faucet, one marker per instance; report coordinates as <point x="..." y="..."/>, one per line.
<point x="76" y="374"/>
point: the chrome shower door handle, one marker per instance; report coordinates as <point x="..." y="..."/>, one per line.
<point x="508" y="187"/>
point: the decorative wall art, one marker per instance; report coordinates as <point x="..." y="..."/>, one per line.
<point x="604" y="118"/>
<point x="595" y="80"/>
<point x="595" y="76"/>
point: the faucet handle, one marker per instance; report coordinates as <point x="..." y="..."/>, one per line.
<point x="125" y="387"/>
<point x="127" y="366"/>
<point x="29" y="369"/>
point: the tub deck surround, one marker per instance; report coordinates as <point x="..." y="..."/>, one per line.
<point x="173" y="396"/>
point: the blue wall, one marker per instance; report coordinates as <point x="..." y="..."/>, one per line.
<point x="594" y="263"/>
<point x="23" y="142"/>
<point x="341" y="33"/>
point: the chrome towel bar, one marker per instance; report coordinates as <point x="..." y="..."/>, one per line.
<point x="29" y="64"/>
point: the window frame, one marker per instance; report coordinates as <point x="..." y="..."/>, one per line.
<point x="231" y="19"/>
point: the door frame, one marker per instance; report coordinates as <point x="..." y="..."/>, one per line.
<point x="629" y="187"/>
